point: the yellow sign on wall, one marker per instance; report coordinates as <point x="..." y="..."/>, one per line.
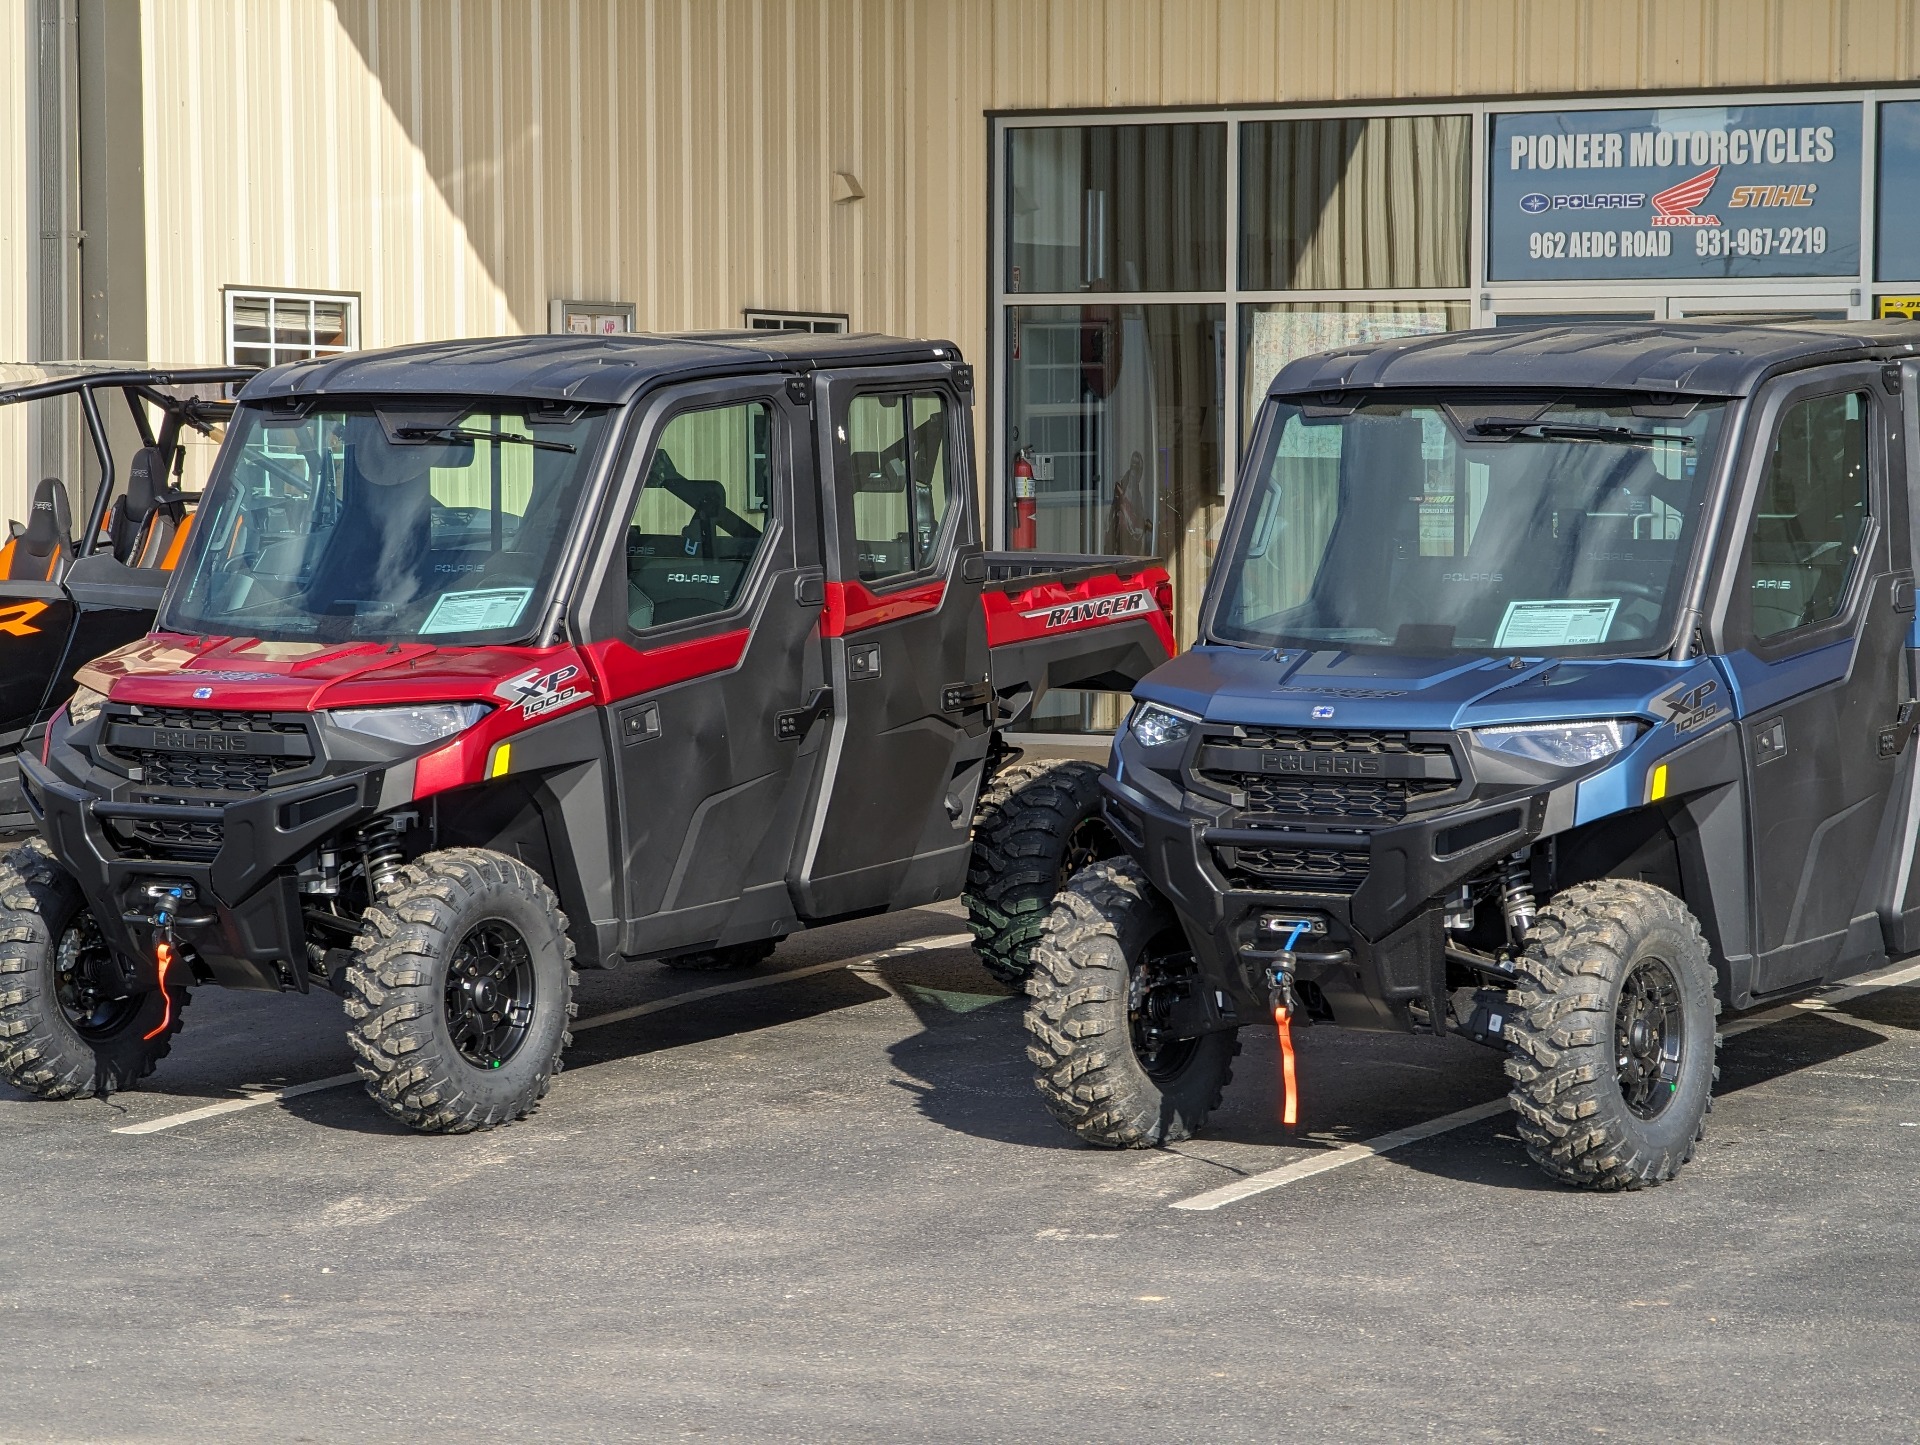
<point x="1907" y="306"/>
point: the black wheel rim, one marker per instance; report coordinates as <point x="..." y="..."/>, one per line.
<point x="1089" y="842"/>
<point x="79" y="959"/>
<point x="490" y="994"/>
<point x="1649" y="1036"/>
<point x="1159" y="979"/>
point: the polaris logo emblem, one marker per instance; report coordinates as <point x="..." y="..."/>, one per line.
<point x="203" y="693"/>
<point x="1322" y="713"/>
<point x="1332" y="764"/>
<point x="1098" y="609"/>
<point x="172" y="740"/>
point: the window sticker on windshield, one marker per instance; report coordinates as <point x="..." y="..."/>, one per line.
<point x="1555" y="624"/>
<point x="476" y="611"/>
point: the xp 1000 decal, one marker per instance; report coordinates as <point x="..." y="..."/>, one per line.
<point x="1701" y="193"/>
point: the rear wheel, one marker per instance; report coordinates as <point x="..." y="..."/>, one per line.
<point x="1611" y="1048"/>
<point x="67" y="1024"/>
<point x="461" y="992"/>
<point x="1111" y="961"/>
<point x="1038" y="823"/>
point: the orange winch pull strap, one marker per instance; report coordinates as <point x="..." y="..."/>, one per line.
<point x="163" y="956"/>
<point x="1290" y="1089"/>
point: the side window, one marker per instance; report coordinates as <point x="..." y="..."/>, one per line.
<point x="1811" y="516"/>
<point x="701" y="515"/>
<point x="901" y="489"/>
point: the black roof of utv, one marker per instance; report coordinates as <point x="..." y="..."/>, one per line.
<point x="602" y="369"/>
<point x="1698" y="358"/>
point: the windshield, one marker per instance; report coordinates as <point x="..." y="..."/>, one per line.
<point x="392" y="524"/>
<point x="1516" y="525"/>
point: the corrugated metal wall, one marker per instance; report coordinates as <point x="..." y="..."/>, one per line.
<point x="19" y="248"/>
<point x="461" y="162"/>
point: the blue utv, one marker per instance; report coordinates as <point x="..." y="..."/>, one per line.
<point x="1556" y="688"/>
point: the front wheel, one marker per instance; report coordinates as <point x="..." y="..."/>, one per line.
<point x="460" y="992"/>
<point x="1611" y="1046"/>
<point x="1037" y="824"/>
<point x="1110" y="962"/>
<point x="67" y="1025"/>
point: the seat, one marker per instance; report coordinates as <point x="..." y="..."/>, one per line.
<point x="43" y="549"/>
<point x="152" y="512"/>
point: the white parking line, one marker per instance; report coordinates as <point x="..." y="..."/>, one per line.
<point x="255" y="1099"/>
<point x="1287" y="1174"/>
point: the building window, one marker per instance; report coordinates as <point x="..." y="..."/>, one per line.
<point x="267" y="328"/>
<point x="1900" y="192"/>
<point x="1361" y="202"/>
<point x="591" y="318"/>
<point x="827" y="321"/>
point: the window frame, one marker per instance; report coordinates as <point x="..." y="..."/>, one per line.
<point x="1762" y="426"/>
<point x="825" y="323"/>
<point x="667" y="408"/>
<point x="939" y="555"/>
<point x="350" y="307"/>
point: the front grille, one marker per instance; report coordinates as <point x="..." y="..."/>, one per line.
<point x="173" y="838"/>
<point x="1383" y="800"/>
<point x="1328" y="775"/>
<point x="185" y="770"/>
<point x="1327" y="740"/>
<point x="159" y="747"/>
<point x="1319" y="870"/>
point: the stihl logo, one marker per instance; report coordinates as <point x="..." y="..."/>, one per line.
<point x="1099" y="609"/>
<point x="1674" y="206"/>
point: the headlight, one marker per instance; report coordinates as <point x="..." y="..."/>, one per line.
<point x="418" y="724"/>
<point x="1156" y="726"/>
<point x="85" y="704"/>
<point x="1565" y="745"/>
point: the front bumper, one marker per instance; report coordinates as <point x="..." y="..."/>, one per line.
<point x="244" y="925"/>
<point x="1377" y="954"/>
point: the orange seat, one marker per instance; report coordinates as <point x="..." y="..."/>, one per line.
<point x="43" y="549"/>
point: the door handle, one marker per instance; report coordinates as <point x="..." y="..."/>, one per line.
<point x="863" y="661"/>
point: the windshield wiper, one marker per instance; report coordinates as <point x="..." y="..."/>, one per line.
<point x="1514" y="429"/>
<point x="461" y="434"/>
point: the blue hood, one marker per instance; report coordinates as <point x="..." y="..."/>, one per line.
<point x="1372" y="690"/>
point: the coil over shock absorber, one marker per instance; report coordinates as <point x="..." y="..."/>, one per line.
<point x="381" y="853"/>
<point x="1516" y="895"/>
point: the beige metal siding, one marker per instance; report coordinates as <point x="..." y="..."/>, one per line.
<point x="461" y="162"/>
<point x="19" y="246"/>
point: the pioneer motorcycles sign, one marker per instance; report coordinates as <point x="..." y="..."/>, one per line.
<point x="1698" y="193"/>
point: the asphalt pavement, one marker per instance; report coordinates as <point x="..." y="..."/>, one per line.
<point x="831" y="1206"/>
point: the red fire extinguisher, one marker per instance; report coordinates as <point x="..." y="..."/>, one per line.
<point x="1025" y="535"/>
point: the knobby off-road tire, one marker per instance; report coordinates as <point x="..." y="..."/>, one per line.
<point x="1611" y="1046"/>
<point x="737" y="955"/>
<point x="460" y="992"/>
<point x="1036" y="825"/>
<point x="1107" y="929"/>
<point x="58" y="1039"/>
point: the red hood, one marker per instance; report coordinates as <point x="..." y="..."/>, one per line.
<point x="246" y="673"/>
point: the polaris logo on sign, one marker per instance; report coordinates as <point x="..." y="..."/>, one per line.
<point x="1097" y="609"/>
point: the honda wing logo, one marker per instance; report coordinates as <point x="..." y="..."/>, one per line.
<point x="1675" y="205"/>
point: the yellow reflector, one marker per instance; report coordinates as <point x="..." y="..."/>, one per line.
<point x="1654" y="793"/>
<point x="498" y="767"/>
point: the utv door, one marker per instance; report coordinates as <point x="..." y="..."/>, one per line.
<point x="706" y="637"/>
<point x="1821" y="605"/>
<point x="905" y="647"/>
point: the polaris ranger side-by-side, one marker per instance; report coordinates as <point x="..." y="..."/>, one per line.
<point x="1555" y="687"/>
<point x="67" y="598"/>
<point x="487" y="658"/>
